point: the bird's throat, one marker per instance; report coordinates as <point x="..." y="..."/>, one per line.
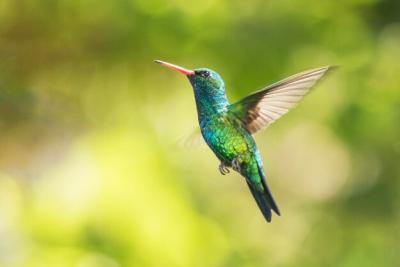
<point x="210" y="96"/>
<point x="208" y="105"/>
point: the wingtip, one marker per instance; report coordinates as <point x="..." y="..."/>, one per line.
<point x="332" y="67"/>
<point x="327" y="68"/>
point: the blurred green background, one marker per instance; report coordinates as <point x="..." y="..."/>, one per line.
<point x="91" y="170"/>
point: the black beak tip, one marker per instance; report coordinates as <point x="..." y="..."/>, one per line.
<point x="157" y="61"/>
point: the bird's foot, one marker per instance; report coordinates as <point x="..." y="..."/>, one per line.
<point x="223" y="169"/>
<point x="236" y="164"/>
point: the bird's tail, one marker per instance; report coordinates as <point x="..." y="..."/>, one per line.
<point x="264" y="198"/>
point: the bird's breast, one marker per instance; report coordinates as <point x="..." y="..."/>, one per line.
<point x="224" y="138"/>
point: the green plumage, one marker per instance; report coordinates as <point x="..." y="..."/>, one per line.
<point x="230" y="141"/>
<point x="227" y="137"/>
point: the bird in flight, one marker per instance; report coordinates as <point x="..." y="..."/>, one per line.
<point x="228" y="128"/>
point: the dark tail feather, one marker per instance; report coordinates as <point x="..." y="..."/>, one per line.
<point x="270" y="198"/>
<point x="261" y="202"/>
<point x="264" y="200"/>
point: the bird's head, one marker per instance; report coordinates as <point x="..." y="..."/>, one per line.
<point x="202" y="79"/>
<point x="206" y="79"/>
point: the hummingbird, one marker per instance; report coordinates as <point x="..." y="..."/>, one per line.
<point x="228" y="129"/>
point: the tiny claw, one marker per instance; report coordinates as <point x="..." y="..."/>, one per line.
<point x="223" y="169"/>
<point x="227" y="170"/>
<point x="236" y="164"/>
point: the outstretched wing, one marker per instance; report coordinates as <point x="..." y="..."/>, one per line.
<point x="263" y="107"/>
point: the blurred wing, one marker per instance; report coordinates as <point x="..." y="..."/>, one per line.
<point x="263" y="107"/>
<point x="192" y="140"/>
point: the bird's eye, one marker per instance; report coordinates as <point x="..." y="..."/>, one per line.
<point x="202" y="73"/>
<point x="205" y="74"/>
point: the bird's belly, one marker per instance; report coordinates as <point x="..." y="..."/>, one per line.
<point x="225" y="141"/>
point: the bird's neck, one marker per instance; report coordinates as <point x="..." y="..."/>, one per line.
<point x="210" y="104"/>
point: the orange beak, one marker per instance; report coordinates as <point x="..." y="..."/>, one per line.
<point x="175" y="67"/>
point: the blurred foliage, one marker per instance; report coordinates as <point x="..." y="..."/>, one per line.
<point x="90" y="173"/>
